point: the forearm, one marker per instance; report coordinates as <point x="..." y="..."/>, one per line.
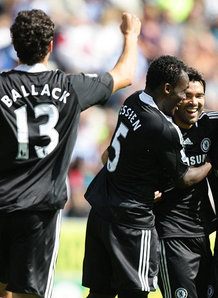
<point x="124" y="70"/>
<point x="194" y="175"/>
<point x="104" y="157"/>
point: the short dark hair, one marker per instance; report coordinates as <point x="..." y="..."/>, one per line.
<point x="194" y="76"/>
<point x="31" y="33"/>
<point x="164" y="69"/>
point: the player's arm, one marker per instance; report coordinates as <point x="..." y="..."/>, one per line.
<point x="194" y="175"/>
<point x="104" y="156"/>
<point x="124" y="71"/>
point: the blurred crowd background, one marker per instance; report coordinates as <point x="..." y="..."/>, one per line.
<point x="88" y="39"/>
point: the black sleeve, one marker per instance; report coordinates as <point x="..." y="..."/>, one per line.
<point x="92" y="89"/>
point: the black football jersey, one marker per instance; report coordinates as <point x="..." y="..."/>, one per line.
<point x="144" y="142"/>
<point x="188" y="212"/>
<point x="39" y="118"/>
<point x="213" y="154"/>
<point x="213" y="116"/>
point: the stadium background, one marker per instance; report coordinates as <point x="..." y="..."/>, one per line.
<point x="88" y="39"/>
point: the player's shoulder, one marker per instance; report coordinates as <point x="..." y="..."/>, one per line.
<point x="212" y="115"/>
<point x="150" y="116"/>
<point x="20" y="73"/>
<point x="208" y="122"/>
<point x="205" y="117"/>
<point x="5" y="73"/>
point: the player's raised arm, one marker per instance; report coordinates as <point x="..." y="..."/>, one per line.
<point x="124" y="71"/>
<point x="104" y="156"/>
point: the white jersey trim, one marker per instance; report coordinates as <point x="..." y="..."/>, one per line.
<point x="49" y="287"/>
<point x="144" y="260"/>
<point x="213" y="115"/>
<point x="164" y="271"/>
<point x="38" y="67"/>
<point x="147" y="99"/>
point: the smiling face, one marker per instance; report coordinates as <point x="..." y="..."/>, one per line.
<point x="191" y="107"/>
<point x="175" y="95"/>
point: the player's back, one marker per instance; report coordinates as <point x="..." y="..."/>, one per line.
<point x="35" y="124"/>
<point x="133" y="159"/>
<point x="137" y="154"/>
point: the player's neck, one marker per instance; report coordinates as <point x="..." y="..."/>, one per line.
<point x="153" y="94"/>
<point x="182" y="124"/>
<point x="44" y="61"/>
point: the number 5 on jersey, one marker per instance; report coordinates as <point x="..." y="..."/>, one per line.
<point x="121" y="131"/>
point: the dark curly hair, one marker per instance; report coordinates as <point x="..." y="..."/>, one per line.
<point x="195" y="76"/>
<point x="164" y="69"/>
<point x="31" y="33"/>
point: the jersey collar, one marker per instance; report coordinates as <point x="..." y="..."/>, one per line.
<point x="38" y="67"/>
<point x="147" y="99"/>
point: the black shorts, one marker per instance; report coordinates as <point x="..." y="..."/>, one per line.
<point x="119" y="258"/>
<point x="28" y="251"/>
<point x="215" y="265"/>
<point x="185" y="267"/>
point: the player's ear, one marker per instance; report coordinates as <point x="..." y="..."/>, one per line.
<point x="167" y="88"/>
<point x="50" y="49"/>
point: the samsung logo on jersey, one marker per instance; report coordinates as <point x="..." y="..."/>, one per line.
<point x="131" y="116"/>
<point x="55" y="93"/>
<point x="197" y="159"/>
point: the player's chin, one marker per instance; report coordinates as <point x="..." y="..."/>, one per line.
<point x="192" y="120"/>
<point x="192" y="116"/>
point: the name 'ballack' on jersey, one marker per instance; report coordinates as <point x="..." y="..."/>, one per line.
<point x="39" y="118"/>
<point x="144" y="143"/>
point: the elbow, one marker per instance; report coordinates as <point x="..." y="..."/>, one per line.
<point x="184" y="183"/>
<point x="125" y="82"/>
<point x="129" y="81"/>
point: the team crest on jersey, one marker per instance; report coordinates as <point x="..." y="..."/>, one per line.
<point x="205" y="144"/>
<point x="181" y="293"/>
<point x="210" y="291"/>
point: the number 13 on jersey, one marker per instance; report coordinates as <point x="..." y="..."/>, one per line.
<point x="44" y="129"/>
